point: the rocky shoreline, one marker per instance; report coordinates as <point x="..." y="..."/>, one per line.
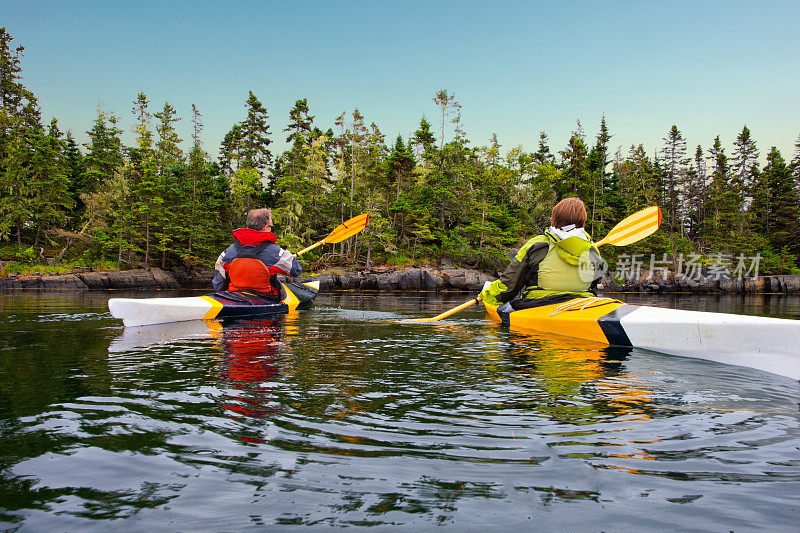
<point x="385" y="280"/>
<point x="414" y="279"/>
<point x="139" y="279"/>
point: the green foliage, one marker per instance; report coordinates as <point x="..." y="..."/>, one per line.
<point x="432" y="198"/>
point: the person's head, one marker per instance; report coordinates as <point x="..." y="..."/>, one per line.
<point x="569" y="211"/>
<point x="260" y="219"/>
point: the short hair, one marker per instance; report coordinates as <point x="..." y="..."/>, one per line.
<point x="569" y="211"/>
<point x="258" y="218"/>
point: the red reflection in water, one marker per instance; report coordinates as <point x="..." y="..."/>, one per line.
<point x="251" y="359"/>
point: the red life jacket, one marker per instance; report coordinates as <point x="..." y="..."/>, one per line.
<point x="247" y="271"/>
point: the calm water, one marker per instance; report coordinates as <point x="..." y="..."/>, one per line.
<point x="343" y="416"/>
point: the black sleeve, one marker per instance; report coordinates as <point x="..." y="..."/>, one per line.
<point x="516" y="274"/>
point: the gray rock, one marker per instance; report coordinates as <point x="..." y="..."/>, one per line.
<point x="455" y="278"/>
<point x="432" y="280"/>
<point x="164" y="279"/>
<point x="326" y="284"/>
<point x="384" y="284"/>
<point x="792" y="283"/>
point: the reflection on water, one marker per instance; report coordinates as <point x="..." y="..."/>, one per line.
<point x="343" y="415"/>
<point x="251" y="361"/>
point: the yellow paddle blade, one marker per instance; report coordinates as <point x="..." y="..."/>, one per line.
<point x="634" y="228"/>
<point x="347" y="228"/>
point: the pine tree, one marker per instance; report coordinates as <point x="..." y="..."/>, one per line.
<point x="75" y="168"/>
<point x="14" y="97"/>
<point x="696" y="194"/>
<point x="543" y="155"/>
<point x="575" y="179"/>
<point x="781" y="214"/>
<point x="201" y="223"/>
<point x="20" y="128"/>
<point x="103" y="189"/>
<point x="400" y="165"/>
<point x="675" y="163"/>
<point x="448" y="106"/>
<point x="230" y="151"/>
<point x="723" y="206"/>
<point x="743" y="171"/>
<point x="49" y="183"/>
<point x="143" y="175"/>
<point x="637" y="181"/>
<point x="299" y="122"/>
<point x="254" y="139"/>
<point x="424" y="143"/>
<point x="105" y="152"/>
<point x="172" y="217"/>
<point x="291" y="174"/>
<point x="598" y="161"/>
<point x="795" y="167"/>
<point x="168" y="151"/>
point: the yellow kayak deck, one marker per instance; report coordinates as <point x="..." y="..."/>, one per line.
<point x="594" y="319"/>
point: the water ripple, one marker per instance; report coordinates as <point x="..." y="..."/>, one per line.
<point x="342" y="418"/>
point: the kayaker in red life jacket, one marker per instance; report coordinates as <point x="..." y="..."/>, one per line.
<point x="254" y="261"/>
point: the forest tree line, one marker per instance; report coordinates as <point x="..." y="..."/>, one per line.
<point x="432" y="197"/>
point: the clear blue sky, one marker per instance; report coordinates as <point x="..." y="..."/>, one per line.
<point x="516" y="67"/>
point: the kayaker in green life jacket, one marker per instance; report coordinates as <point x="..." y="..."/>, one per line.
<point x="563" y="261"/>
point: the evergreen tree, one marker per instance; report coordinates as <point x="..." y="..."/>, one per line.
<point x="543" y="155"/>
<point x="201" y="221"/>
<point x="575" y="180"/>
<point x="168" y="151"/>
<point x="172" y="218"/>
<point x="75" y="168"/>
<point x="637" y="181"/>
<point x="102" y="188"/>
<point x="448" y="106"/>
<point x="723" y="205"/>
<point x="696" y="194"/>
<point x="299" y="129"/>
<point x="49" y="183"/>
<point x="20" y="132"/>
<point x="143" y="176"/>
<point x="675" y="163"/>
<point x="795" y="167"/>
<point x="105" y="152"/>
<point x="597" y="163"/>
<point x="743" y="171"/>
<point x="230" y="151"/>
<point x="400" y="166"/>
<point x="254" y="138"/>
<point x="424" y="143"/>
<point x="780" y="209"/>
<point x="300" y="122"/>
<point x="15" y="100"/>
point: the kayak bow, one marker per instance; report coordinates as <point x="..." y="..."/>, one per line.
<point x="770" y="344"/>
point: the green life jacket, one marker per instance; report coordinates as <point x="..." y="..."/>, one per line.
<point x="570" y="266"/>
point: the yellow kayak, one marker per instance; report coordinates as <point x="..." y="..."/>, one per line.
<point x="771" y="344"/>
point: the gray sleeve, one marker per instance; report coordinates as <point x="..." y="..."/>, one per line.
<point x="220" y="281"/>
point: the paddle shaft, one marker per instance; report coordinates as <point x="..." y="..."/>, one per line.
<point x="450" y="312"/>
<point x="304" y="250"/>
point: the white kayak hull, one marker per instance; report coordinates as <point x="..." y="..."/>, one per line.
<point x="770" y="344"/>
<point x="148" y="311"/>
